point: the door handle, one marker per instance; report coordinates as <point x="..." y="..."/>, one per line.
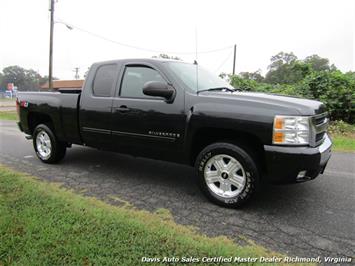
<point x="122" y="109"/>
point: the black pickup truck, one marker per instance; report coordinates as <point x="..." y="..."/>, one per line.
<point x="176" y="111"/>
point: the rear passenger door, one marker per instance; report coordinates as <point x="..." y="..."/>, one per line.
<point x="95" y="114"/>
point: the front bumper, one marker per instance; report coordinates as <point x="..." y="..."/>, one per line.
<point x="284" y="164"/>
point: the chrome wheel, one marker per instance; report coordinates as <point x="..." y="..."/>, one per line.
<point x="43" y="145"/>
<point x="225" y="176"/>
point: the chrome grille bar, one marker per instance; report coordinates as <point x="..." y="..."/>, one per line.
<point x="319" y="125"/>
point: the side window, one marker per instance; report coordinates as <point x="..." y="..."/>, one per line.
<point x="134" y="79"/>
<point x="104" y="78"/>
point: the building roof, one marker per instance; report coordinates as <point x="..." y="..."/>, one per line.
<point x="65" y="84"/>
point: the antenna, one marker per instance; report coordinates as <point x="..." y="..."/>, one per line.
<point x="196" y="63"/>
<point x="51" y="30"/>
<point x="235" y="51"/>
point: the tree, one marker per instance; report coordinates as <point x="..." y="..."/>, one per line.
<point x="43" y="80"/>
<point x="1" y="79"/>
<point x="318" y="63"/>
<point x="286" y="69"/>
<point x="223" y="75"/>
<point x="280" y="59"/>
<point x="24" y="79"/>
<point x="252" y="75"/>
<point x="14" y="74"/>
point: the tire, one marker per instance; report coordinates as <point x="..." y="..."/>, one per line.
<point x="48" y="148"/>
<point x="227" y="174"/>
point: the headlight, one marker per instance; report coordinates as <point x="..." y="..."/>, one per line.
<point x="291" y="130"/>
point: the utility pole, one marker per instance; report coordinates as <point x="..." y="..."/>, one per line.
<point x="235" y="51"/>
<point x="76" y="70"/>
<point x="50" y="72"/>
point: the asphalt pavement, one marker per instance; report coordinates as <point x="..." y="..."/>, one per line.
<point x="316" y="218"/>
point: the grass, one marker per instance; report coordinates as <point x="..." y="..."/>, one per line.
<point x="343" y="143"/>
<point x="7" y="99"/>
<point x="343" y="136"/>
<point x="43" y="224"/>
<point x="5" y="115"/>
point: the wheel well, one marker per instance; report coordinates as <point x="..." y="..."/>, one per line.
<point x="34" y="119"/>
<point x="248" y="142"/>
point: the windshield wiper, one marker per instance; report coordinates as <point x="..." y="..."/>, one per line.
<point x="217" y="89"/>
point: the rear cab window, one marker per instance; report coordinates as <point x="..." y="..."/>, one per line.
<point x="104" y="80"/>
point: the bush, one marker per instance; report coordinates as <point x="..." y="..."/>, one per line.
<point x="341" y="128"/>
<point x="335" y="89"/>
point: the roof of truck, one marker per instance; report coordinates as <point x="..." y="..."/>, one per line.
<point x="141" y="60"/>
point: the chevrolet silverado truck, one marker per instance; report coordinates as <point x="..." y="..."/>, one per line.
<point x="176" y="111"/>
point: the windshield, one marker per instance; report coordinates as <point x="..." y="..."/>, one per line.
<point x="189" y="74"/>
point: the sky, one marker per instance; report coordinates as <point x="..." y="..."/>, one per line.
<point x="259" y="28"/>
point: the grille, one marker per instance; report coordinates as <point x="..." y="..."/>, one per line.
<point x="320" y="120"/>
<point x="320" y="136"/>
<point x="319" y="128"/>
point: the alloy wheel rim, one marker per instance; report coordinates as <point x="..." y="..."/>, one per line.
<point x="44" y="145"/>
<point x="225" y="176"/>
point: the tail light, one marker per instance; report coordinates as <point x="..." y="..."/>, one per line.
<point x="17" y="107"/>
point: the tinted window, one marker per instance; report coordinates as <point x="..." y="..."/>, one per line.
<point x="134" y="79"/>
<point x="104" y="78"/>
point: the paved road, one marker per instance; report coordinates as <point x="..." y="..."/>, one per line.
<point x="309" y="219"/>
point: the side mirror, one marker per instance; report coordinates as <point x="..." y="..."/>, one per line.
<point x="159" y="89"/>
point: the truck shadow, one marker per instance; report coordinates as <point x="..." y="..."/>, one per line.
<point x="174" y="182"/>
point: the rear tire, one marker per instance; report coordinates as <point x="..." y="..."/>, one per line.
<point x="48" y="148"/>
<point x="227" y="174"/>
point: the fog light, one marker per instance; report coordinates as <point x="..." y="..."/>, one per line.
<point x="301" y="174"/>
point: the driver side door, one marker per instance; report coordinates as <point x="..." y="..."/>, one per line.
<point x="145" y="125"/>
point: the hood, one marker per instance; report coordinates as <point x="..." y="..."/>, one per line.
<point x="300" y="105"/>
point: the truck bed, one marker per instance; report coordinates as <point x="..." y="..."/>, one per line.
<point x="62" y="107"/>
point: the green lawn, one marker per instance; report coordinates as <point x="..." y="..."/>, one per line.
<point x="43" y="224"/>
<point x="8" y="116"/>
<point x="343" y="143"/>
<point x="6" y="100"/>
<point x="343" y="135"/>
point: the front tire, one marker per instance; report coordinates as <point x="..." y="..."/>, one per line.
<point x="227" y="174"/>
<point x="48" y="148"/>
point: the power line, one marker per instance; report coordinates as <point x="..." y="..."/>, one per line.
<point x="225" y="60"/>
<point x="137" y="47"/>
